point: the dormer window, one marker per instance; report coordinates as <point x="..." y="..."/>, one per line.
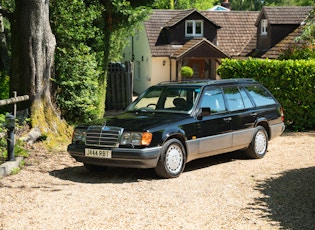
<point x="263" y="27"/>
<point x="194" y="28"/>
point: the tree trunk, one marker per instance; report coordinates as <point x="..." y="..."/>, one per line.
<point x="33" y="47"/>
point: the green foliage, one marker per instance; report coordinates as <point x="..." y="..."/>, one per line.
<point x="89" y="33"/>
<point x="2" y="140"/>
<point x="292" y="82"/>
<point x="78" y="93"/>
<point x="304" y="47"/>
<point x="184" y="4"/>
<point x="298" y="52"/>
<point x="258" y="4"/>
<point x="4" y="86"/>
<point x="79" y="59"/>
<point x="4" y="89"/>
<point x="19" y="149"/>
<point x="186" y="71"/>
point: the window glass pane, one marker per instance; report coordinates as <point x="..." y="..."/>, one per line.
<point x="189" y="27"/>
<point x="213" y="98"/>
<point x="198" y="28"/>
<point x="234" y="99"/>
<point x="260" y="96"/>
<point x="247" y="102"/>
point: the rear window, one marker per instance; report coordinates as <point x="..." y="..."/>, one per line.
<point x="260" y="96"/>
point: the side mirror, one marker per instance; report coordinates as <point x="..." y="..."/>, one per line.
<point x="203" y="112"/>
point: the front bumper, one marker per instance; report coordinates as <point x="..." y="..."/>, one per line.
<point x="121" y="157"/>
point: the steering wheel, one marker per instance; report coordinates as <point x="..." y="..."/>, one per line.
<point x="151" y="104"/>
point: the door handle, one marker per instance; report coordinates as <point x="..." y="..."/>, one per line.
<point x="227" y="119"/>
<point x="254" y="114"/>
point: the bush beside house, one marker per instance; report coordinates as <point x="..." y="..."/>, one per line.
<point x="292" y="82"/>
<point x="186" y="71"/>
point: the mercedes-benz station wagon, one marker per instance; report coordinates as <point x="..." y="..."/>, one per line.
<point x="173" y="123"/>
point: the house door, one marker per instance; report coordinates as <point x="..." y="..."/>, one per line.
<point x="198" y="66"/>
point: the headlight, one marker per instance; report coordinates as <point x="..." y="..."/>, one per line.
<point x="79" y="135"/>
<point x="136" y="138"/>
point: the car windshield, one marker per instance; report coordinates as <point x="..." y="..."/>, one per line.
<point x="166" y="99"/>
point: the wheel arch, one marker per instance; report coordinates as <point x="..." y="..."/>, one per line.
<point x="264" y="123"/>
<point x="180" y="137"/>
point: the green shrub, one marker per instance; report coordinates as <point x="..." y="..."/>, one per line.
<point x="292" y="82"/>
<point x="186" y="71"/>
<point x="79" y="59"/>
<point x="296" y="53"/>
<point x="78" y="91"/>
<point x="4" y="90"/>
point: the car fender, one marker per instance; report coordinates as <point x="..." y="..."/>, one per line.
<point x="262" y="121"/>
<point x="174" y="132"/>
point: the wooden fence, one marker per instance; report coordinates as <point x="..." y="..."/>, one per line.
<point x="13" y="100"/>
<point x="119" y="90"/>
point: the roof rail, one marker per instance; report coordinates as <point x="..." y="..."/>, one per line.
<point x="209" y="81"/>
<point x="233" y="80"/>
<point x="184" y="81"/>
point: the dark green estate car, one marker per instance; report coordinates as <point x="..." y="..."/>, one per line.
<point x="171" y="124"/>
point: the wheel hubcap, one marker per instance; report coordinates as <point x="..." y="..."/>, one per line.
<point x="174" y="159"/>
<point x="260" y="143"/>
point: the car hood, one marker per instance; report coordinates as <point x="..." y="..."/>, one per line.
<point x="141" y="121"/>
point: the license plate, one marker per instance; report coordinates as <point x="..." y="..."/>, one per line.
<point x="98" y="153"/>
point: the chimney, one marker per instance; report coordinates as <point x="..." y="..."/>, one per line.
<point x="226" y="4"/>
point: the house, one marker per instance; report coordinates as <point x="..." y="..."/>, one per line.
<point x="170" y="39"/>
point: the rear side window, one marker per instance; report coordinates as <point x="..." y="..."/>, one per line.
<point x="233" y="98"/>
<point x="246" y="100"/>
<point x="260" y="96"/>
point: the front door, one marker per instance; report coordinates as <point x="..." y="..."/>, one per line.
<point x="198" y="66"/>
<point x="214" y="131"/>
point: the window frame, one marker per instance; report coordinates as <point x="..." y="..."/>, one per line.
<point x="263" y="27"/>
<point x="194" y="28"/>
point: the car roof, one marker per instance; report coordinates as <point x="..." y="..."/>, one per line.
<point x="198" y="83"/>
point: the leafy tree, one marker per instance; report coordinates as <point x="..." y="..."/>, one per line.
<point x="258" y="4"/>
<point x="288" y="2"/>
<point x="185" y="4"/>
<point x="33" y="46"/>
<point x="304" y="47"/>
<point x="78" y="59"/>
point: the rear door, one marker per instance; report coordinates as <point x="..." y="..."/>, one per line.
<point x="242" y="113"/>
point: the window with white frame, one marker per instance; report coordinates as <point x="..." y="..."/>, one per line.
<point x="263" y="27"/>
<point x="194" y="28"/>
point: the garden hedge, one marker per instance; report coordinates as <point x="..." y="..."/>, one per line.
<point x="292" y="82"/>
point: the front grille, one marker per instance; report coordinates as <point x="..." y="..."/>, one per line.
<point x="103" y="136"/>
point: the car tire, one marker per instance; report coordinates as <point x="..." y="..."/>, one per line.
<point x="172" y="159"/>
<point x="94" y="168"/>
<point x="258" y="147"/>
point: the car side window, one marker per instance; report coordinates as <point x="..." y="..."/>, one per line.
<point x="213" y="98"/>
<point x="233" y="98"/>
<point x="260" y="96"/>
<point x="246" y="99"/>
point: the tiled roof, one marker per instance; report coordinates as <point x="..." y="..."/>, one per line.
<point x="237" y="28"/>
<point x="179" y="16"/>
<point x="153" y="26"/>
<point x="193" y="43"/>
<point x="249" y="47"/>
<point x="285" y="14"/>
<point x="286" y="43"/>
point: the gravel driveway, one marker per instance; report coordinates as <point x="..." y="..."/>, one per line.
<point x="222" y="192"/>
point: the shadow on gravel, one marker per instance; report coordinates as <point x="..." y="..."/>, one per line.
<point x="289" y="199"/>
<point x="127" y="175"/>
<point x="111" y="175"/>
<point x="215" y="160"/>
